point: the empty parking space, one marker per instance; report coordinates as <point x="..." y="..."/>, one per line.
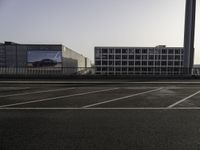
<point x="100" y="116"/>
<point x="100" y="96"/>
<point x="82" y="100"/>
<point x="160" y="98"/>
<point x="191" y="101"/>
<point x="51" y="96"/>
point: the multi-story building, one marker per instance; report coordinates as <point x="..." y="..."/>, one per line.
<point x="159" y="60"/>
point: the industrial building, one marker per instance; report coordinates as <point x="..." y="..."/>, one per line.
<point x="41" y="57"/>
<point x="159" y="60"/>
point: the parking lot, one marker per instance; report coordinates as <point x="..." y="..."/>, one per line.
<point x="92" y="115"/>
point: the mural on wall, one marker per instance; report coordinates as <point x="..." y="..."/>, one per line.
<point x="43" y="58"/>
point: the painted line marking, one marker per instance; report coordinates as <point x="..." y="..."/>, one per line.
<point x="95" y="82"/>
<point x="120" y="98"/>
<point x="100" y="108"/>
<point x="37" y="92"/>
<point x="178" y="102"/>
<point x="14" y="88"/>
<point x="59" y="97"/>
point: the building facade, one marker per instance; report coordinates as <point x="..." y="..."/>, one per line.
<point x="158" y="60"/>
<point x="41" y="57"/>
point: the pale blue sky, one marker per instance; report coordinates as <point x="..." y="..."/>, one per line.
<point x="83" y="24"/>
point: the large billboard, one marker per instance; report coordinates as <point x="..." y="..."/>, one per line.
<point x="39" y="58"/>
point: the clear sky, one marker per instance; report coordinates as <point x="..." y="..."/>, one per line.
<point x="83" y="24"/>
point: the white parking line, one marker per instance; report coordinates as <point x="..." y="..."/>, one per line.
<point x="100" y="108"/>
<point x="59" y="97"/>
<point x="120" y="98"/>
<point x="37" y="92"/>
<point x="178" y="102"/>
<point x="5" y="89"/>
<point x="99" y="82"/>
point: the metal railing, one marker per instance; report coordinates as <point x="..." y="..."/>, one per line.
<point x="95" y="71"/>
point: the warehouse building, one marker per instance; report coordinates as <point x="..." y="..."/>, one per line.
<point x="159" y="60"/>
<point x="41" y="57"/>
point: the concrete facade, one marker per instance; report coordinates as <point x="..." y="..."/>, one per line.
<point x="158" y="60"/>
<point x="13" y="55"/>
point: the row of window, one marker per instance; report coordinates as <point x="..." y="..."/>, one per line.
<point x="151" y="57"/>
<point x="139" y="51"/>
<point x="170" y="63"/>
<point x="138" y="69"/>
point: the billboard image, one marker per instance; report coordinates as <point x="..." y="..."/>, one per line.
<point x="44" y="58"/>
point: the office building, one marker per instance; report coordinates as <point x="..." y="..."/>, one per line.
<point x="159" y="60"/>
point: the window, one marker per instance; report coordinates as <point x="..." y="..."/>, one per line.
<point x="98" y="53"/>
<point x="118" y="57"/>
<point x="124" y="51"/>
<point x="177" y="57"/>
<point x="144" y="69"/>
<point x="170" y="57"/>
<point x="177" y="63"/>
<point x="131" y="62"/>
<point x="104" y="50"/>
<point x="138" y="57"/>
<point x="111" y="69"/>
<point x="144" y="57"/>
<point x="111" y="50"/>
<point x="137" y="51"/>
<point x="177" y="51"/>
<point x="164" y="57"/>
<point x="111" y="63"/>
<point x="104" y="69"/>
<point x="144" y="63"/>
<point x="164" y="51"/>
<point x="151" y="57"/>
<point x="124" y="69"/>
<point x="157" y="51"/>
<point x="104" y="63"/>
<point x="157" y="57"/>
<point x="124" y="63"/>
<point x="124" y="57"/>
<point x="150" y="63"/>
<point x="144" y="51"/>
<point x="164" y="63"/>
<point x="104" y="57"/>
<point x="118" y="69"/>
<point x="131" y="69"/>
<point x="137" y="69"/>
<point x="151" y="51"/>
<point x="98" y="68"/>
<point x="170" y="51"/>
<point x="98" y="50"/>
<point x="131" y="56"/>
<point x="131" y="51"/>
<point x="118" y="63"/>
<point x="118" y="50"/>
<point x="170" y="63"/>
<point x="137" y="63"/>
<point x="111" y="57"/>
<point x="157" y="63"/>
<point x="97" y="62"/>
<point x="181" y="51"/>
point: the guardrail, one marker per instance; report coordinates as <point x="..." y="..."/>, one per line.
<point x="93" y="71"/>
